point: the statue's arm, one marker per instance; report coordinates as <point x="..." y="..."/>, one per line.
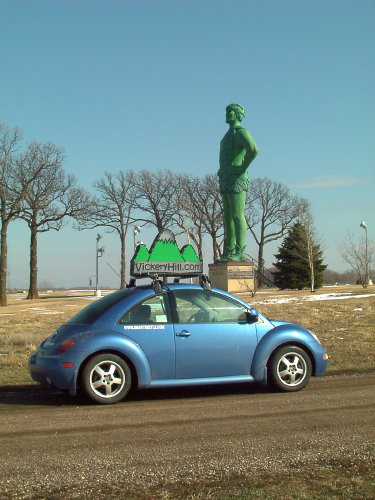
<point x="248" y="144"/>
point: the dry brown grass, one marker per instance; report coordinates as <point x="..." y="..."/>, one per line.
<point x="24" y="324"/>
<point x="345" y="327"/>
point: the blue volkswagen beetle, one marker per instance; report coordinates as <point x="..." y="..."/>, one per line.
<point x="169" y="335"/>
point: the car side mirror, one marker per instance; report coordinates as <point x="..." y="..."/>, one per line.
<point x="252" y="315"/>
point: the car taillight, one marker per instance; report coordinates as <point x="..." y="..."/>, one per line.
<point x="68" y="364"/>
<point x="64" y="346"/>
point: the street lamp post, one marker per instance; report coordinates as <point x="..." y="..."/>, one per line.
<point x="363" y="225"/>
<point x="90" y="281"/>
<point x="99" y="253"/>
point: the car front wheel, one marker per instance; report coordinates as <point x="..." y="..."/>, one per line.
<point x="290" y="369"/>
<point x="106" y="379"/>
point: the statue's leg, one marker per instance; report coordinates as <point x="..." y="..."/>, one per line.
<point x="229" y="225"/>
<point x="237" y="207"/>
<point x="229" y="229"/>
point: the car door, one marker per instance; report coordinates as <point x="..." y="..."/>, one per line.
<point x="149" y="324"/>
<point x="212" y="335"/>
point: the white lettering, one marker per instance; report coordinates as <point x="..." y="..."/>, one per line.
<point x="144" y="327"/>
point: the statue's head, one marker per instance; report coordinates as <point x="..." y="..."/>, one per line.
<point x="238" y="110"/>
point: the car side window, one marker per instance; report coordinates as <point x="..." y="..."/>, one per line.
<point x="149" y="311"/>
<point x="196" y="306"/>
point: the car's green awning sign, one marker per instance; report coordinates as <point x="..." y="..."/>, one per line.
<point x="165" y="258"/>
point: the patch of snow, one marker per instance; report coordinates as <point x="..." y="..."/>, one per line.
<point x="311" y="298"/>
<point x="338" y="296"/>
<point x="50" y="312"/>
<point x="41" y="310"/>
<point x="277" y="301"/>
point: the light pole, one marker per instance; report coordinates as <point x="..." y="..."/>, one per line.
<point x="90" y="280"/>
<point x="364" y="226"/>
<point x="136" y="231"/>
<point x="99" y="253"/>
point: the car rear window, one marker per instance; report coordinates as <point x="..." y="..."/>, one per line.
<point x="91" y="312"/>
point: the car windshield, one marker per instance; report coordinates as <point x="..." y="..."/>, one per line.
<point x="90" y="313"/>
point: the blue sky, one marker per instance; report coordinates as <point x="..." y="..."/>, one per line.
<point x="144" y="84"/>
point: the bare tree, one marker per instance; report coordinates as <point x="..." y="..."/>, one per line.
<point x="200" y="211"/>
<point x="156" y="197"/>
<point x="48" y="199"/>
<point x="335" y="277"/>
<point x="188" y="216"/>
<point x="270" y="212"/>
<point x="359" y="257"/>
<point x="312" y="253"/>
<point x="112" y="208"/>
<point x="308" y="235"/>
<point x="212" y="212"/>
<point x="10" y="196"/>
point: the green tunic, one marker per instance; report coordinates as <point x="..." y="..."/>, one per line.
<point x="230" y="182"/>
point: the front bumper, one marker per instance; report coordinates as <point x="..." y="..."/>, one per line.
<point x="320" y="358"/>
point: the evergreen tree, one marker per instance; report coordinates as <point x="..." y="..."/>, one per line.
<point x="299" y="259"/>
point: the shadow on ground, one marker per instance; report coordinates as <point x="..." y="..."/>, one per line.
<point x="34" y="395"/>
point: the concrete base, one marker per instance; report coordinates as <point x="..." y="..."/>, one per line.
<point x="232" y="276"/>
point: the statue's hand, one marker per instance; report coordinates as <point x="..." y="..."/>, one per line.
<point x="238" y="169"/>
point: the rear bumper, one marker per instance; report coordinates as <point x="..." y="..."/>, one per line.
<point x="49" y="371"/>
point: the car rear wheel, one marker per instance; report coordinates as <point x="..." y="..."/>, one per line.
<point x="106" y="379"/>
<point x="290" y="369"/>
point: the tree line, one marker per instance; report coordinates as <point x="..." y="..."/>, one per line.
<point x="35" y="188"/>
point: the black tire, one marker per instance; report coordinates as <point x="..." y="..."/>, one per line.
<point x="289" y="369"/>
<point x="106" y="379"/>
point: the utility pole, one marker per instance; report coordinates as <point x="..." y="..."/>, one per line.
<point x="363" y="225"/>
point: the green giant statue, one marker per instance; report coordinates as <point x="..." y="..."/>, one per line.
<point x="237" y="151"/>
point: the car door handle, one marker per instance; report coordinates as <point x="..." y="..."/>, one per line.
<point x="184" y="333"/>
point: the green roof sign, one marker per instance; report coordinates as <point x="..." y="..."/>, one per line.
<point x="165" y="258"/>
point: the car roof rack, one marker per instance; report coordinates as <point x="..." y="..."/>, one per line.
<point x="205" y="282"/>
<point x="158" y="284"/>
<point x="132" y="283"/>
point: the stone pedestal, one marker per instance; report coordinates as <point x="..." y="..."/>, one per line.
<point x="232" y="276"/>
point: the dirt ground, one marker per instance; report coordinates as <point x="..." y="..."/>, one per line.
<point x="210" y="442"/>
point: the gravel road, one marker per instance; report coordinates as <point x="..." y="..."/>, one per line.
<point x="50" y="442"/>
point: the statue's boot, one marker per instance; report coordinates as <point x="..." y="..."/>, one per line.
<point x="227" y="255"/>
<point x="239" y="255"/>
